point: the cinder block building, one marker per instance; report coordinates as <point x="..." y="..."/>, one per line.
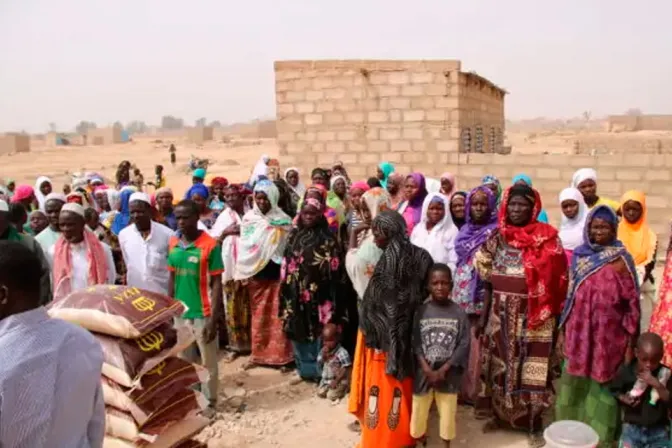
<point x="361" y="112"/>
<point x="104" y="136"/>
<point x="14" y="142"/>
<point x="199" y="134"/>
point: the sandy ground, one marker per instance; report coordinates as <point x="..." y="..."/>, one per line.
<point x="259" y="408"/>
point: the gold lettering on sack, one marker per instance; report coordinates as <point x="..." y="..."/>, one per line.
<point x="128" y="293"/>
<point x="158" y="370"/>
<point x="143" y="303"/>
<point x="150" y="341"/>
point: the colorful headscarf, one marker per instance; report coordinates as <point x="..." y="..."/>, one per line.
<point x="413" y="211"/>
<point x="472" y="235"/>
<point x="123" y="217"/>
<point x="544" y="259"/>
<point x="21" y="193"/>
<point x="360" y="185"/>
<point x="459" y="222"/>
<point x="360" y="262"/>
<point x="262" y="236"/>
<point x="219" y="181"/>
<point x="387" y="168"/>
<point x="199" y="189"/>
<point x="571" y="230"/>
<point x="590" y="257"/>
<point x="490" y="179"/>
<point x="453" y="183"/>
<point x="638" y="238"/>
<point x="543" y="216"/>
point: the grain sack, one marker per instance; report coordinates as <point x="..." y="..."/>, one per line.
<point x="180" y="432"/>
<point x="156" y="387"/>
<point x="114" y="442"/>
<point x="184" y="404"/>
<point x="121" y="425"/>
<point x="119" y="311"/>
<point x="192" y="444"/>
<point x="126" y="360"/>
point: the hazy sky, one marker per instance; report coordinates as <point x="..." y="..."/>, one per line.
<point x="68" y="60"/>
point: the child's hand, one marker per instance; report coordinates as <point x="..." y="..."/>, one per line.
<point x="650" y="380"/>
<point x="628" y="400"/>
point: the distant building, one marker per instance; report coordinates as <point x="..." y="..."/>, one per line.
<point x="199" y="134"/>
<point x="14" y="142"/>
<point x="104" y="136"/>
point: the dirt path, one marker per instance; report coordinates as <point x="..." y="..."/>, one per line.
<point x="260" y="409"/>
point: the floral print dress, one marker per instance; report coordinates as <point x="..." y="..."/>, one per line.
<point x="311" y="276"/>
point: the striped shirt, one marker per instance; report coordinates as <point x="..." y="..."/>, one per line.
<point x="50" y="393"/>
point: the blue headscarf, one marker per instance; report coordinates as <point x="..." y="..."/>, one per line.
<point x="199" y="189"/>
<point x="543" y="216"/>
<point x="589" y="257"/>
<point x="123" y="217"/>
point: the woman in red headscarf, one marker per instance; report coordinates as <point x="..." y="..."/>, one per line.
<point x="217" y="187"/>
<point x="319" y="192"/>
<point x="525" y="270"/>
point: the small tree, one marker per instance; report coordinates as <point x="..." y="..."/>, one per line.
<point x="52" y="127"/>
<point x="170" y="122"/>
<point x="84" y="126"/>
<point x="633" y="112"/>
<point x="200" y="123"/>
<point x="117" y="124"/>
<point x="215" y="124"/>
<point x="136" y="127"/>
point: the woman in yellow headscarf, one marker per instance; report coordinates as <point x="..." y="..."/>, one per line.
<point x="641" y="242"/>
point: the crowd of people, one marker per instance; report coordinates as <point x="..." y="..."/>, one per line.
<point x="402" y="290"/>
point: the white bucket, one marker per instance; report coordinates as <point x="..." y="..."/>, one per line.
<point x="570" y="434"/>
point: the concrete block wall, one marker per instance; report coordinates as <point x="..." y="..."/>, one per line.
<point x="12" y="143"/>
<point x="481" y="114"/>
<point x="363" y="112"/>
<point x="199" y="135"/>
<point x="608" y="143"/>
<point x="103" y="136"/>
<point x="639" y="122"/>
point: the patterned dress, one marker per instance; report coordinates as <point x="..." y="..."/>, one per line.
<point x="516" y="360"/>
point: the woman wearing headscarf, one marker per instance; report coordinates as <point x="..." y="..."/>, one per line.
<point x="122" y="218"/>
<point x="236" y="294"/>
<point x="395" y="188"/>
<point x="319" y="192"/>
<point x="339" y="170"/>
<point x="470" y="290"/>
<point x="494" y="185"/>
<point x="360" y="263"/>
<point x="415" y="192"/>
<point x="263" y="237"/>
<point x="24" y="195"/>
<point x="642" y="243"/>
<point x="448" y="184"/>
<point x="585" y="180"/>
<point x="217" y="202"/>
<point x="311" y="278"/>
<point x="100" y="200"/>
<point x="527" y="180"/>
<point x="260" y="169"/>
<point x="526" y="273"/>
<point x="397" y="287"/>
<point x="42" y="188"/>
<point x="165" y="213"/>
<point x="661" y="321"/>
<point x="354" y="218"/>
<point x="574" y="213"/>
<point x="320" y="176"/>
<point x="436" y="232"/>
<point x="458" y="208"/>
<point x="296" y="186"/>
<point x="384" y="171"/>
<point x="123" y="175"/>
<point x="600" y="323"/>
<point x="199" y="193"/>
<point x="337" y="198"/>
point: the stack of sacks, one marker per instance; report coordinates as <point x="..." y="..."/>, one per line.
<point x="148" y="391"/>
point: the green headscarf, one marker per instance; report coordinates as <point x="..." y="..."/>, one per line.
<point x="387" y="168"/>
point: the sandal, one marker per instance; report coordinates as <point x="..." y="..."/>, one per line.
<point x="536" y="440"/>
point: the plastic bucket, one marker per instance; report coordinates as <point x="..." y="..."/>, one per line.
<point x="570" y="434"/>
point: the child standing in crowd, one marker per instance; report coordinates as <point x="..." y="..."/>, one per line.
<point x="441" y="343"/>
<point x="643" y="388"/>
<point x="335" y="364"/>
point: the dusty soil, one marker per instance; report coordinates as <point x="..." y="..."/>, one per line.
<point x="259" y="408"/>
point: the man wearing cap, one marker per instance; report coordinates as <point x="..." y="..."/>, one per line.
<point x="9" y="233"/>
<point x="78" y="258"/>
<point x="52" y="208"/>
<point x="144" y="245"/>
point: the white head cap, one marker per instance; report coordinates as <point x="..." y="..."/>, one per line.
<point x="55" y="197"/>
<point x="4" y="207"/>
<point x="73" y="207"/>
<point x="139" y="196"/>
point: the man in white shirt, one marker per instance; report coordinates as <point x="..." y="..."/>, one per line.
<point x="53" y="204"/>
<point x="79" y="259"/>
<point x="50" y="392"/>
<point x="144" y="245"/>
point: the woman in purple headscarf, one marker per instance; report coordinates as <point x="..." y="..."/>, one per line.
<point x="469" y="290"/>
<point x="415" y="191"/>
